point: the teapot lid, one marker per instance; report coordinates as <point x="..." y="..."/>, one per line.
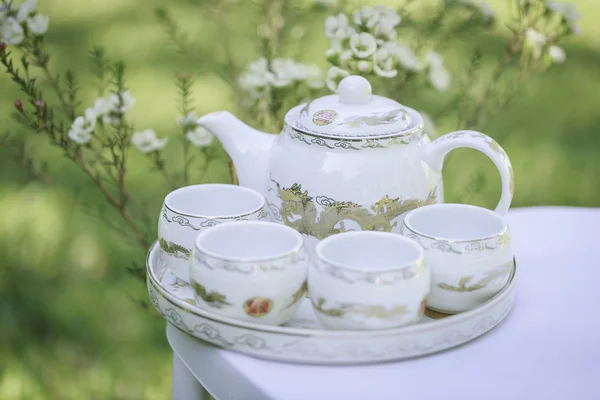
<point x="355" y="113"/>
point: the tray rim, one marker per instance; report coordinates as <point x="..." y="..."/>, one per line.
<point x="307" y="332"/>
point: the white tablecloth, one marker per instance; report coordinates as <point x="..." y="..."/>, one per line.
<point x="547" y="348"/>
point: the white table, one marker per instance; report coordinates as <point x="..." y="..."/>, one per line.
<point x="548" y="347"/>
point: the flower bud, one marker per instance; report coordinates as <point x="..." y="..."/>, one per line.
<point x="39" y="103"/>
<point x="2" y="46"/>
<point x="18" y="105"/>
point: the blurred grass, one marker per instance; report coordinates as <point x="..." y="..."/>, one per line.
<point x="71" y="323"/>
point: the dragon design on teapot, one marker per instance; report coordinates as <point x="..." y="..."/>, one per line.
<point x="321" y="216"/>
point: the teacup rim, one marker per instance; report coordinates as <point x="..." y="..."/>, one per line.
<point x="297" y="248"/>
<point x="397" y="268"/>
<point x="407" y="224"/>
<point x="262" y="199"/>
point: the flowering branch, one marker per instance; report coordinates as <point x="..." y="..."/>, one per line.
<point x="392" y="47"/>
<point x="42" y="120"/>
<point x="537" y="27"/>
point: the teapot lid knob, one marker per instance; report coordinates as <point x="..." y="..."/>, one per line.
<point x="354" y="89"/>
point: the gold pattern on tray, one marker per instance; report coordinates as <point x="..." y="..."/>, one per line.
<point x="174" y="249"/>
<point x="435" y="314"/>
<point x="300" y="211"/>
<point x="258" y="306"/>
<point x="214" y="299"/>
<point x="368" y="311"/>
<point x="423" y="306"/>
<point x="191" y="302"/>
<point x="483" y="282"/>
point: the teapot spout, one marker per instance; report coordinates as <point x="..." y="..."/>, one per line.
<point x="248" y="148"/>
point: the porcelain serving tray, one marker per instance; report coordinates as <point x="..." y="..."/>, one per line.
<point x="304" y="340"/>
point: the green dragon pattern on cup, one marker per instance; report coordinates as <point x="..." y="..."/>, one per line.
<point x="493" y="275"/>
<point x="296" y="297"/>
<point x="300" y="211"/>
<point x="367" y="311"/>
<point x="214" y="299"/>
<point x="174" y="249"/>
<point x="219" y="300"/>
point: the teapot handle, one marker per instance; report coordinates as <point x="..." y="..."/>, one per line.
<point x="437" y="150"/>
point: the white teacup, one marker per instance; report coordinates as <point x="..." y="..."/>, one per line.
<point x="251" y="271"/>
<point x="190" y="210"/>
<point x="368" y="280"/>
<point x="468" y="250"/>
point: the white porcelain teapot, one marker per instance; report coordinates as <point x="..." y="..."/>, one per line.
<point x="348" y="161"/>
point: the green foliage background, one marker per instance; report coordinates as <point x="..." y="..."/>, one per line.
<point x="72" y="320"/>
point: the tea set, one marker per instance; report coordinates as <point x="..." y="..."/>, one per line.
<point x="344" y="207"/>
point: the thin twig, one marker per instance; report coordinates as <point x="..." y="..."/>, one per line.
<point x="43" y="123"/>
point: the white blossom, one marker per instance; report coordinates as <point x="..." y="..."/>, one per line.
<point x="383" y="64"/>
<point x="363" y="44"/>
<point x="256" y="78"/>
<point x="364" y="66"/>
<point x="12" y="31"/>
<point x="345" y="55"/>
<point x="26" y="9"/>
<point x="366" y="16"/>
<point x="569" y="13"/>
<point x="440" y="78"/>
<point x="114" y="109"/>
<point x="188" y="120"/>
<point x="386" y="30"/>
<point x="435" y="60"/>
<point x="557" y="54"/>
<point x="83" y="127"/>
<point x="438" y="74"/>
<point x="122" y="103"/>
<point x="38" y="24"/>
<point x="100" y="107"/>
<point x="487" y="11"/>
<point x="334" y="51"/>
<point x="428" y="124"/>
<point x="405" y="56"/>
<point x="285" y="71"/>
<point x="146" y="141"/>
<point x="536" y="41"/>
<point x="200" y="137"/>
<point x="314" y="77"/>
<point x="336" y="27"/>
<point x="334" y="76"/>
<point x="389" y="15"/>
